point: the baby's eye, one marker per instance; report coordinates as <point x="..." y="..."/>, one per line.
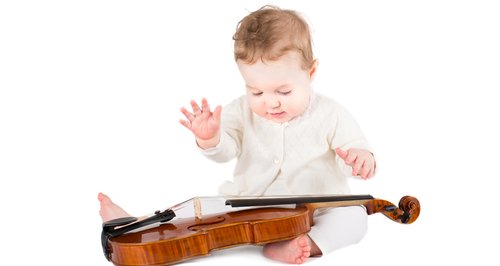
<point x="256" y="93"/>
<point x="285" y="92"/>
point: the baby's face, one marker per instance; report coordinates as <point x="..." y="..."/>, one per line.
<point x="277" y="90"/>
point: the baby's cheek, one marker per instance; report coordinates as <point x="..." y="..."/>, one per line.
<point x="252" y="103"/>
<point x="256" y="107"/>
<point x="297" y="107"/>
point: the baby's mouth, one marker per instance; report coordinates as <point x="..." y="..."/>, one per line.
<point x="277" y="115"/>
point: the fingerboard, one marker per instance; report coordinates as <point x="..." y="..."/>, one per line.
<point x="266" y="201"/>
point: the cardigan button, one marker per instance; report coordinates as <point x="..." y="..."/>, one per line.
<point x="276" y="161"/>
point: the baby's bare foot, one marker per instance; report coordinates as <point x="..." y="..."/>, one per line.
<point x="290" y="251"/>
<point x="109" y="210"/>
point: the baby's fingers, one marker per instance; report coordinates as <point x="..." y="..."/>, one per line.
<point x="371" y="172"/>
<point x="358" y="165"/>
<point x="347" y="156"/>
<point x="367" y="170"/>
<point x="351" y="158"/>
<point x="217" y="112"/>
<point x="189" y="116"/>
<point x="205" y="108"/>
<point x="196" y="108"/>
<point x="341" y="153"/>
<point x="185" y="123"/>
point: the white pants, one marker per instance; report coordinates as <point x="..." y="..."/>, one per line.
<point x="336" y="228"/>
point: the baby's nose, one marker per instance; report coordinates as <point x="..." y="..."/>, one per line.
<point x="273" y="102"/>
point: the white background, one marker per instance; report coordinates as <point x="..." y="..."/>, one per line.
<point x="90" y="93"/>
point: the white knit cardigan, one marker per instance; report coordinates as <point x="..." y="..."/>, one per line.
<point x="299" y="153"/>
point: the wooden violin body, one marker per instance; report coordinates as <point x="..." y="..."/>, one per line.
<point x="185" y="238"/>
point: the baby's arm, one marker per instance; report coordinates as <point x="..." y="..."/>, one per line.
<point x="204" y="123"/>
<point x="361" y="161"/>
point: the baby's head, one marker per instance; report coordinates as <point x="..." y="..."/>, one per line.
<point x="269" y="33"/>
<point x="273" y="52"/>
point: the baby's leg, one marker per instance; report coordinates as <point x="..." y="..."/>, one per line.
<point x="294" y="251"/>
<point x="109" y="210"/>
<point x="336" y="228"/>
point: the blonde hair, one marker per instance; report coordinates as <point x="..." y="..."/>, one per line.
<point x="269" y="33"/>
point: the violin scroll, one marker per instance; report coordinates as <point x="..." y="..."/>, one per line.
<point x="407" y="213"/>
<point x="411" y="208"/>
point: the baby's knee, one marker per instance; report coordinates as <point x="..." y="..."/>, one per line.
<point x="356" y="222"/>
<point x="359" y="222"/>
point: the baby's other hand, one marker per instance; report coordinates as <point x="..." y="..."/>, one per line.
<point x="204" y="123"/>
<point x="361" y="161"/>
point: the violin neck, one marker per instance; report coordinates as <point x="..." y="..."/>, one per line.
<point x="407" y="212"/>
<point x="332" y="204"/>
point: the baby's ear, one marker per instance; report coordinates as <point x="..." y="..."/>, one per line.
<point x="312" y="70"/>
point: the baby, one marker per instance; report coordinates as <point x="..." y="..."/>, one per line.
<point x="287" y="139"/>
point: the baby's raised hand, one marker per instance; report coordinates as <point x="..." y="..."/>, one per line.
<point x="361" y="161"/>
<point x="204" y="123"/>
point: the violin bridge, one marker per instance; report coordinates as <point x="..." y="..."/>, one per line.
<point x="197" y="208"/>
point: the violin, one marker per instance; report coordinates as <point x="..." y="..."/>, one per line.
<point x="195" y="227"/>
